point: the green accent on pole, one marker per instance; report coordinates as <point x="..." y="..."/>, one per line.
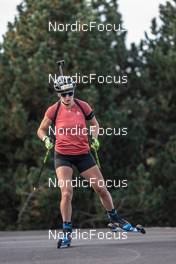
<point x="97" y="158"/>
<point x="46" y="156"/>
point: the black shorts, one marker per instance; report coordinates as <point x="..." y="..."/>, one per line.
<point x="82" y="162"/>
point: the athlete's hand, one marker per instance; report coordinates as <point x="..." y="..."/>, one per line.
<point x="95" y="144"/>
<point x="48" y="143"/>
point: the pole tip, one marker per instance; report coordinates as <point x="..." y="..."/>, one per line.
<point x="60" y="63"/>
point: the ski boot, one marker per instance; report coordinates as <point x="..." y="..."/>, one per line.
<point x="66" y="240"/>
<point x="116" y="223"/>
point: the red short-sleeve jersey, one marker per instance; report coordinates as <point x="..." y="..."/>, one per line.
<point x="70" y="128"/>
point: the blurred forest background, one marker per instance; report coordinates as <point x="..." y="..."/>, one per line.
<point x="146" y="157"/>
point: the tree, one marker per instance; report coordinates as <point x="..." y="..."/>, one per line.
<point x="155" y="107"/>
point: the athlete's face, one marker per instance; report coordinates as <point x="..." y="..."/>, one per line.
<point x="67" y="98"/>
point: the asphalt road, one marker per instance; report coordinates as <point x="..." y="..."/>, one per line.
<point x="158" y="246"/>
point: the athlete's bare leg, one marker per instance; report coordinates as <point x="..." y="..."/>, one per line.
<point x="95" y="174"/>
<point x="64" y="176"/>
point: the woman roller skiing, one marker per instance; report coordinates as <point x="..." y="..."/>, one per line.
<point x="75" y="150"/>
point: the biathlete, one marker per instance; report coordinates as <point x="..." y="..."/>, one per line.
<point x="73" y="149"/>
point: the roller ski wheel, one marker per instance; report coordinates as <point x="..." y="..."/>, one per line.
<point x="140" y="229"/>
<point x="59" y="243"/>
<point x="127" y="227"/>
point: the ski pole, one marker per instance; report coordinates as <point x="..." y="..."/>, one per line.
<point x="41" y="169"/>
<point x="31" y="194"/>
<point x="97" y="158"/>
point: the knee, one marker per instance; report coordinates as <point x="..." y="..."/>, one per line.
<point x="67" y="195"/>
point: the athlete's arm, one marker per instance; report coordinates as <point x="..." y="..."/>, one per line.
<point x="94" y="126"/>
<point x="43" y="128"/>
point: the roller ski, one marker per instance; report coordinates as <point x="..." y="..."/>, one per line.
<point x="119" y="224"/>
<point x="66" y="240"/>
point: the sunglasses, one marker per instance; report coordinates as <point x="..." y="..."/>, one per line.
<point x="65" y="94"/>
